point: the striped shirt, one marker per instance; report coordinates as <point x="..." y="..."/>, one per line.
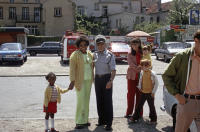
<point x="54" y="95"/>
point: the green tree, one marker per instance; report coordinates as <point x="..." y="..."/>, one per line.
<point x="179" y="14"/>
<point x="89" y="25"/>
<point x="147" y="27"/>
<point x="122" y="30"/>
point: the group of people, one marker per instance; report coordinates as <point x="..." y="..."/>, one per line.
<point x="82" y="65"/>
<point x="142" y="82"/>
<point x="181" y="78"/>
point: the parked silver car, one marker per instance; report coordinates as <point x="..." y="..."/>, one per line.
<point x="168" y="49"/>
<point x="170" y="104"/>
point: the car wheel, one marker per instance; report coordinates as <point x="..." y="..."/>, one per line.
<point x="21" y="62"/>
<point x="1" y="62"/>
<point x="64" y="62"/>
<point x="59" y="53"/>
<point x="157" y="57"/>
<point x="33" y="53"/>
<point x="25" y="59"/>
<point x="165" y="59"/>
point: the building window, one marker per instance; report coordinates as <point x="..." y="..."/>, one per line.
<point x="81" y="10"/>
<point x="57" y="12"/>
<point x="137" y="20"/>
<point x="12" y="12"/>
<point x="158" y="19"/>
<point x="37" y="14"/>
<point x="11" y="1"/>
<point x="142" y="19"/>
<point x="151" y="20"/>
<point x="33" y="29"/>
<point x="96" y="6"/>
<point x="37" y="1"/>
<point x="1" y="12"/>
<point x="25" y="13"/>
<point x="105" y="11"/>
<point x="120" y="22"/>
<point x="125" y="8"/>
<point x="25" y="1"/>
<point x="117" y="23"/>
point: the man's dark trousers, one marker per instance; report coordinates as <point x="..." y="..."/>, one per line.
<point x="104" y="100"/>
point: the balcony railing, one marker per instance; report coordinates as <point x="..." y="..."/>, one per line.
<point x="28" y="19"/>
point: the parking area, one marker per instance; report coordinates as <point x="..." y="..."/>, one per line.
<point x="42" y="64"/>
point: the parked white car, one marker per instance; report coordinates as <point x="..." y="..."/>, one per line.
<point x="190" y="44"/>
<point x="170" y="104"/>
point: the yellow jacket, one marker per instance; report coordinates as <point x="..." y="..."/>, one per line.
<point x="48" y="92"/>
<point x="76" y="65"/>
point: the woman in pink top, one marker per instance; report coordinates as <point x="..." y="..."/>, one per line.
<point x="133" y="71"/>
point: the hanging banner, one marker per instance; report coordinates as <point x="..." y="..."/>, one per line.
<point x="194" y="17"/>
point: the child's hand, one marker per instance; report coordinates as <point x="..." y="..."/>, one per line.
<point x="46" y="108"/>
<point x="71" y="85"/>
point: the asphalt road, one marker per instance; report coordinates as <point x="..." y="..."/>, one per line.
<point x="22" y="88"/>
<point x="22" y="97"/>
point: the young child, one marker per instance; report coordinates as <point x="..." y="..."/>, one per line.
<point x="51" y="97"/>
<point x="146" y="54"/>
<point x="148" y="84"/>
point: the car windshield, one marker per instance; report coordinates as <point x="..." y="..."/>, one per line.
<point x="190" y="44"/>
<point x="7" y="47"/>
<point x="176" y="46"/>
<point x="71" y="41"/>
<point x="120" y="46"/>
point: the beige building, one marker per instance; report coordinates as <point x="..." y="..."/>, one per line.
<point x="41" y="17"/>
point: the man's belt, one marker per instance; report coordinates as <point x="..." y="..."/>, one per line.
<point x="102" y="75"/>
<point x="192" y="96"/>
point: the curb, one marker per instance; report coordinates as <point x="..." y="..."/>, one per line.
<point x="41" y="75"/>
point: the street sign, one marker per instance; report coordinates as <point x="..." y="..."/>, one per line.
<point x="194" y="17"/>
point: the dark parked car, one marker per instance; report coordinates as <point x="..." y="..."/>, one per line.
<point x="168" y="50"/>
<point x="12" y="52"/>
<point x="45" y="48"/>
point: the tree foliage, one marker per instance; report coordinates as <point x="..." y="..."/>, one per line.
<point x="147" y="27"/>
<point x="122" y="30"/>
<point x="88" y="25"/>
<point x="179" y="14"/>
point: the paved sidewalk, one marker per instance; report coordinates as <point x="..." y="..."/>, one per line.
<point x="67" y="125"/>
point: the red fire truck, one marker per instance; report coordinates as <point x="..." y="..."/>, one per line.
<point x="68" y="45"/>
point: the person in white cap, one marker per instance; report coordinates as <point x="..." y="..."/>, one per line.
<point x="105" y="70"/>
